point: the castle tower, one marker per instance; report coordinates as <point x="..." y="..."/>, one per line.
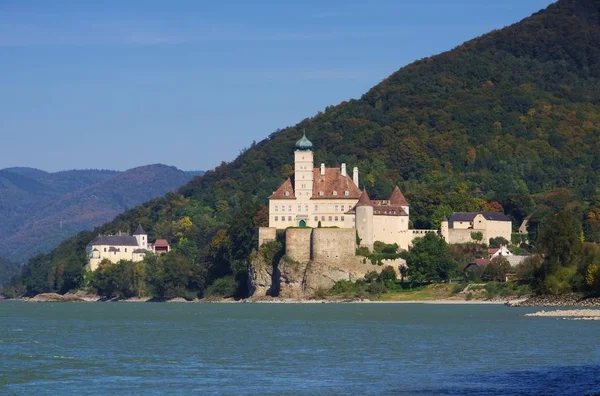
<point x="444" y="229"/>
<point x="141" y="237"/>
<point x="303" y="169"/>
<point x="397" y="198"/>
<point x="364" y="220"/>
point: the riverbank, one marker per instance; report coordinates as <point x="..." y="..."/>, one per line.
<point x="565" y="300"/>
<point x="572" y="314"/>
<point x="86" y="297"/>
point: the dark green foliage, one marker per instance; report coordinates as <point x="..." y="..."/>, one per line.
<point x="8" y="269"/>
<point x="560" y="242"/>
<point x="429" y="260"/>
<point x="477" y="236"/>
<point x="496" y="270"/>
<point x="505" y="118"/>
<point x="223" y="287"/>
<point x="498" y="241"/>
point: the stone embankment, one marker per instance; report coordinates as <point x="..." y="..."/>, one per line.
<point x="566" y="300"/>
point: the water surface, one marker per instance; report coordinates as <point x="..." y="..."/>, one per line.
<point x="389" y="349"/>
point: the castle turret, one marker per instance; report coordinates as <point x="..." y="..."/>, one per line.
<point x="397" y="198"/>
<point x="303" y="169"/>
<point x="444" y="229"/>
<point x="364" y="220"/>
<point x="141" y="237"/>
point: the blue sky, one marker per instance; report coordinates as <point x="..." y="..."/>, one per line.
<point x="117" y="84"/>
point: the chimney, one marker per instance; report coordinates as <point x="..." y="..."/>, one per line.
<point x="355" y="175"/>
<point x="343" y="169"/>
<point x="322" y="169"/>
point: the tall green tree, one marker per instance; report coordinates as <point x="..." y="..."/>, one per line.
<point x="429" y="260"/>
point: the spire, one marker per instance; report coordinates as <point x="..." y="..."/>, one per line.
<point x="304" y="144"/>
<point x="364" y="199"/>
<point x="139" y="230"/>
<point x="397" y="198"/>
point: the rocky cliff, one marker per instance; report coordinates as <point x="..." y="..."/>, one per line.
<point x="300" y="280"/>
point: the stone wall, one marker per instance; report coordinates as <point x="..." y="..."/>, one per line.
<point x="333" y="244"/>
<point x="266" y="234"/>
<point x="298" y="244"/>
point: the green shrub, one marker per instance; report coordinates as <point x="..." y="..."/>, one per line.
<point x="222" y="287"/>
<point x="458" y="288"/>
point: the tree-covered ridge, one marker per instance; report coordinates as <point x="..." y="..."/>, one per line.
<point x="498" y="121"/>
<point x="39" y="209"/>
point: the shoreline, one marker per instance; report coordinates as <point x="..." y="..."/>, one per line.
<point x="573" y="301"/>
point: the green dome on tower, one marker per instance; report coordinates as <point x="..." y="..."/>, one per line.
<point x="304" y="144"/>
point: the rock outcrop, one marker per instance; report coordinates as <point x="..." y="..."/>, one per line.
<point x="299" y="280"/>
<point x="54" y="297"/>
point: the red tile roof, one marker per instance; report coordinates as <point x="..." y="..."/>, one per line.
<point x="333" y="181"/>
<point x="397" y="198"/>
<point x="381" y="207"/>
<point x="481" y="262"/>
<point x="324" y="186"/>
<point x="161" y="243"/>
<point x="364" y="200"/>
<point x="286" y="186"/>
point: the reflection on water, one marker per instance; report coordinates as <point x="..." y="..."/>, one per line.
<point x="391" y="349"/>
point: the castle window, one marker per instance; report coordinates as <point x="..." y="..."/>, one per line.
<point x="316" y="218"/>
<point x="299" y="208"/>
<point x="335" y="193"/>
<point x="306" y="208"/>
<point x="329" y="218"/>
<point x="276" y="208"/>
<point x="336" y="208"/>
<point x="316" y="208"/>
<point x="330" y="208"/>
<point x="287" y="193"/>
<point x="321" y="193"/>
<point x="322" y="218"/>
<point x="289" y="208"/>
<point x="343" y="208"/>
<point x="322" y="208"/>
<point x="347" y="193"/>
<point x="342" y="218"/>
<point x="104" y="250"/>
<point x="283" y="208"/>
<point x="336" y="218"/>
<point x="276" y="218"/>
<point x="125" y="250"/>
<point x="289" y="218"/>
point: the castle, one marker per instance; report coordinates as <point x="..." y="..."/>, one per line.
<point x="328" y="197"/>
<point x="461" y="226"/>
<point x="123" y="247"/>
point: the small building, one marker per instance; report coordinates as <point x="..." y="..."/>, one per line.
<point x="161" y="246"/>
<point x="461" y="227"/>
<point x="501" y="251"/>
<point x="122" y="247"/>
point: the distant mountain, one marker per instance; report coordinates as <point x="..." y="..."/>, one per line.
<point x="39" y="209"/>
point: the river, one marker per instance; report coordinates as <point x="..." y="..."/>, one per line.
<point x="318" y="349"/>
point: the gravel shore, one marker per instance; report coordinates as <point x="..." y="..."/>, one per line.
<point x="566" y="300"/>
<point x="573" y="314"/>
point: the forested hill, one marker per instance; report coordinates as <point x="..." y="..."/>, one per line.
<point x="38" y="209"/>
<point x="512" y="116"/>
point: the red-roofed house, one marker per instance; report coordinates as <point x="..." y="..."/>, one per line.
<point x="161" y="246"/>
